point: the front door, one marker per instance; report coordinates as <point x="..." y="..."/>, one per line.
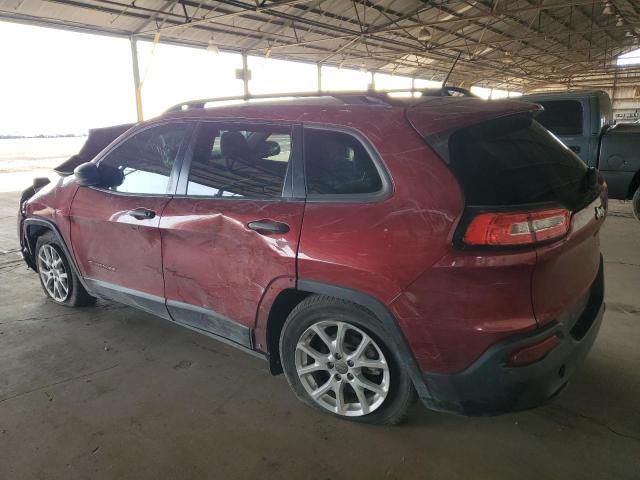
<point x="114" y="229"/>
<point x="234" y="229"/>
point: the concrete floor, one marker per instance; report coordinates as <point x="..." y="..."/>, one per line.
<point x="113" y="393"/>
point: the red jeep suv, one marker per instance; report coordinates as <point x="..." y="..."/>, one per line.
<point x="374" y="249"/>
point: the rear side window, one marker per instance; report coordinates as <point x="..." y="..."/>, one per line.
<point x="235" y="162"/>
<point x="514" y="160"/>
<point x="337" y="163"/>
<point x="562" y="117"/>
<point x="142" y="164"/>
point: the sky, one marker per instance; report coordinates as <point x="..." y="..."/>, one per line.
<point x="62" y="82"/>
<point x="56" y="81"/>
<point x="629" y="58"/>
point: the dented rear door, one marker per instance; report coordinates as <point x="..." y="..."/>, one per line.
<point x="233" y="229"/>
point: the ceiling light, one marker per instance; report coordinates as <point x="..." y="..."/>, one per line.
<point x="424" y="34"/>
<point x="619" y="23"/>
<point x="607" y="10"/>
<point x="628" y="34"/>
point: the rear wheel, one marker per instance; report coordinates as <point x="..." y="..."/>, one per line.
<point x="635" y="204"/>
<point x="335" y="360"/>
<point x="58" y="280"/>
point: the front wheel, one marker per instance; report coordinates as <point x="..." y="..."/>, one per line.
<point x="58" y="280"/>
<point x="335" y="360"/>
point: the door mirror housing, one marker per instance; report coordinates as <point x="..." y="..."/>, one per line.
<point x="87" y="174"/>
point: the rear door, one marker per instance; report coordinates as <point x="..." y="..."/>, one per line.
<point x="234" y="228"/>
<point x="114" y="229"/>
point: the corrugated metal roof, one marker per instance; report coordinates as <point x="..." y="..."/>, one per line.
<point x="508" y="43"/>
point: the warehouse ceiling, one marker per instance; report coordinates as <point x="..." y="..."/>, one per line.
<point x="510" y="43"/>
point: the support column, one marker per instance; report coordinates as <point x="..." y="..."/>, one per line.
<point x="245" y="75"/>
<point x="319" y="66"/>
<point x="136" y="78"/>
<point x="613" y="93"/>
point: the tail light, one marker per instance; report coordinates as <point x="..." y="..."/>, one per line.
<point x="517" y="228"/>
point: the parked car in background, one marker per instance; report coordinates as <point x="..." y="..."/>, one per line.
<point x="583" y="120"/>
<point x="374" y="249"/>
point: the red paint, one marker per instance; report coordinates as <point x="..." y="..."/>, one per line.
<point x="565" y="269"/>
<point x="212" y="260"/>
<point x="465" y="303"/>
<point x="53" y="202"/>
<point x="264" y="309"/>
<point x="450" y="304"/>
<point x="112" y="246"/>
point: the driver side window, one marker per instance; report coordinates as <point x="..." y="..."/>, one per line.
<point x="143" y="163"/>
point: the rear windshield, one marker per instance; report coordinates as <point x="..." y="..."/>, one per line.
<point x="562" y="117"/>
<point x="514" y="160"/>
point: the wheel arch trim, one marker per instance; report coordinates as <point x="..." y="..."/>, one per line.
<point x="52" y="227"/>
<point x="382" y="313"/>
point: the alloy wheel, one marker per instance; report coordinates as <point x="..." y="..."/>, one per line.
<point x="342" y="368"/>
<point x="53" y="273"/>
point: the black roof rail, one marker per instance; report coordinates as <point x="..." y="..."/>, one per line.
<point x="368" y="96"/>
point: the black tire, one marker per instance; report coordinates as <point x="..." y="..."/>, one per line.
<point x="635" y="204"/>
<point x="77" y="296"/>
<point x="317" y="308"/>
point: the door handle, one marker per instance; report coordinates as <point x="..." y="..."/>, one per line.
<point x="265" y="227"/>
<point x="141" y="213"/>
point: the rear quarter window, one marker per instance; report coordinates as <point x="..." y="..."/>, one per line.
<point x="337" y="163"/>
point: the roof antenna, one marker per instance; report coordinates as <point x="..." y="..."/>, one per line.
<point x="444" y="83"/>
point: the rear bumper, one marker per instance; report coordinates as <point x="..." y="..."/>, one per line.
<point x="490" y="386"/>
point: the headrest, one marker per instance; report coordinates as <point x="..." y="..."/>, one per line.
<point x="234" y="145"/>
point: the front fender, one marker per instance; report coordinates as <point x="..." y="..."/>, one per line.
<point x="31" y="227"/>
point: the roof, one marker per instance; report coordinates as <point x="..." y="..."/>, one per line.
<point x="624" y="129"/>
<point x="433" y="114"/>
<point x="312" y="100"/>
<point x="311" y="109"/>
<point x="507" y="44"/>
<point x="369" y="97"/>
<point x="566" y="94"/>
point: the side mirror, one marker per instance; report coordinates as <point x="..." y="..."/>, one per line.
<point x="268" y="149"/>
<point x="87" y="174"/>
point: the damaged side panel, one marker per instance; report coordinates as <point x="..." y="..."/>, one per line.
<point x="213" y="261"/>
